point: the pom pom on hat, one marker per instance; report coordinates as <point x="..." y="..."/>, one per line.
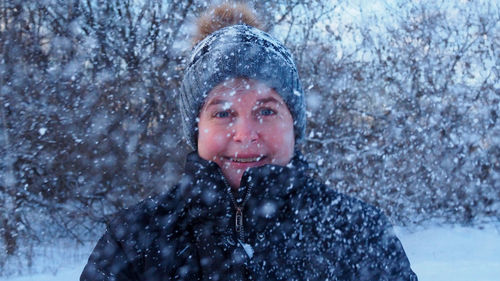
<point x="233" y="51"/>
<point x="224" y="15"/>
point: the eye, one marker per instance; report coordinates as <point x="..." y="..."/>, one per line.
<point x="267" y="112"/>
<point x="222" y="114"/>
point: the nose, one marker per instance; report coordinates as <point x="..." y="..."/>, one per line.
<point x="245" y="131"/>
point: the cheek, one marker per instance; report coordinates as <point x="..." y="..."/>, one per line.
<point x="218" y="141"/>
<point x="288" y="141"/>
<point x="282" y="139"/>
<point x="211" y="142"/>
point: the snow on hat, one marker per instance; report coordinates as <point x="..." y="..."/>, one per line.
<point x="234" y="51"/>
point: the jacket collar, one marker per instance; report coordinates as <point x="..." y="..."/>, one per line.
<point x="198" y="167"/>
<point x="195" y="163"/>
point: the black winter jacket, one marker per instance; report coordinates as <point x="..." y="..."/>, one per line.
<point x="282" y="225"/>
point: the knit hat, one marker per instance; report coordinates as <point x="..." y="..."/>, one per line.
<point x="239" y="51"/>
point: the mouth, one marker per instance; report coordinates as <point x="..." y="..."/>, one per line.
<point x="246" y="159"/>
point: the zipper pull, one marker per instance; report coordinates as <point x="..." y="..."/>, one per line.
<point x="239" y="220"/>
<point x="248" y="249"/>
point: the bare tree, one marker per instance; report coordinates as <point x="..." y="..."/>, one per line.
<point x="402" y="106"/>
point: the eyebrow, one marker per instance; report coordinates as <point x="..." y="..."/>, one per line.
<point x="268" y="99"/>
<point x="217" y="101"/>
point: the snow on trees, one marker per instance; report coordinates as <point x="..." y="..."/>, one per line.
<point x="403" y="104"/>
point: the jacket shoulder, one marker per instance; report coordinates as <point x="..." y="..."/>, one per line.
<point x="335" y="203"/>
<point x="149" y="214"/>
<point x="362" y="233"/>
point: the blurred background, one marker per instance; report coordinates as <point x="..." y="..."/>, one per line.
<point x="403" y="104"/>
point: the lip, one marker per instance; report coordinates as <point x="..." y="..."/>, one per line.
<point x="241" y="159"/>
<point x="244" y="161"/>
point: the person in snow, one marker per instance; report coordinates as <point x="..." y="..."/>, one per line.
<point x="246" y="207"/>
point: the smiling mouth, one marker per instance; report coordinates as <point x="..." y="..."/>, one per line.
<point x="246" y="160"/>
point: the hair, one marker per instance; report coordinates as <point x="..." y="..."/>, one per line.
<point x="223" y="15"/>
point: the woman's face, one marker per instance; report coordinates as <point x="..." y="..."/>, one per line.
<point x="244" y="124"/>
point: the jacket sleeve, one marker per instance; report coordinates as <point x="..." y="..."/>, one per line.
<point x="108" y="262"/>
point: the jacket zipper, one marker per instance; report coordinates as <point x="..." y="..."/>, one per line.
<point x="238" y="223"/>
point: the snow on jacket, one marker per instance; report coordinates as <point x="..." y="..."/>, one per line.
<point x="289" y="227"/>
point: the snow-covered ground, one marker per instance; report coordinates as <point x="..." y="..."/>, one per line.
<point x="437" y="253"/>
<point x="454" y="252"/>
